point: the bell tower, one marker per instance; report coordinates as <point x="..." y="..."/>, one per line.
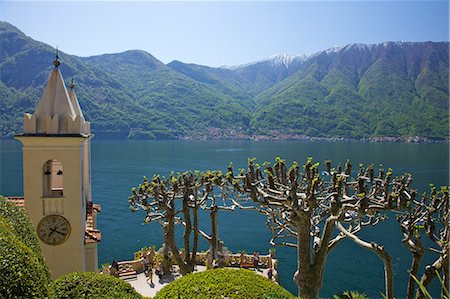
<point x="56" y="177"/>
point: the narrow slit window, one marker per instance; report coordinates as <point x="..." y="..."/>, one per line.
<point x="53" y="179"/>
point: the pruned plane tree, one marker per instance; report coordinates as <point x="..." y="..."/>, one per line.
<point x="177" y="200"/>
<point x="313" y="211"/>
<point x="428" y="218"/>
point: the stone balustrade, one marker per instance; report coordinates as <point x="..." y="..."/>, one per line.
<point x="239" y="260"/>
<point x="136" y="265"/>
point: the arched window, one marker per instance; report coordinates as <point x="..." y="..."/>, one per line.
<point x="53" y="179"/>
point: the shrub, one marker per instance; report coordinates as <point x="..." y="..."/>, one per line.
<point x="350" y="295"/>
<point x="23" y="271"/>
<point x="223" y="283"/>
<point x="92" y="285"/>
<point x="22" y="225"/>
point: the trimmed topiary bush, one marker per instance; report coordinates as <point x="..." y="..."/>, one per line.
<point x="92" y="285"/>
<point x="223" y="283"/>
<point x="23" y="270"/>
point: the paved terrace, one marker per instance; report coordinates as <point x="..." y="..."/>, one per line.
<point x="133" y="271"/>
<point x="145" y="288"/>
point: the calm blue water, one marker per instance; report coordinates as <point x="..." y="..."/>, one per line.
<point x="117" y="165"/>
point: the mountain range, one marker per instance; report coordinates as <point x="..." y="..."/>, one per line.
<point x="392" y="90"/>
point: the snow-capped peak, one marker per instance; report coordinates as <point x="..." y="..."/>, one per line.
<point x="285" y="59"/>
<point x="362" y="47"/>
<point x="276" y="60"/>
<point x="334" y="49"/>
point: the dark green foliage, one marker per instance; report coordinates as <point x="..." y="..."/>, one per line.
<point x="350" y="295"/>
<point x="223" y="283"/>
<point x="23" y="271"/>
<point x="92" y="285"/>
<point x="390" y="89"/>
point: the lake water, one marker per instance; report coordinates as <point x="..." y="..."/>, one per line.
<point x="117" y="165"/>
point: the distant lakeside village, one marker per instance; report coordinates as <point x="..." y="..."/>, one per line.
<point x="273" y="135"/>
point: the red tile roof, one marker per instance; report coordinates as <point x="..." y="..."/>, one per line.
<point x="92" y="234"/>
<point x="18" y="201"/>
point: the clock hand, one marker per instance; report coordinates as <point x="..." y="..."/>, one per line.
<point x="52" y="231"/>
<point x="57" y="231"/>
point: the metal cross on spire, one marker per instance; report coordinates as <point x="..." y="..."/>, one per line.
<point x="56" y="62"/>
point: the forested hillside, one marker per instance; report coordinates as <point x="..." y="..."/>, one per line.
<point x="127" y="95"/>
<point x="390" y="89"/>
<point x="358" y="91"/>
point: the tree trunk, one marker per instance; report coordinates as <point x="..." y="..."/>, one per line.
<point x="445" y="268"/>
<point x="321" y="254"/>
<point x="166" y="249"/>
<point x="184" y="269"/>
<point x="214" y="232"/>
<point x="307" y="279"/>
<point x="187" y="230"/>
<point x="308" y="287"/>
<point x="388" y="271"/>
<point x="417" y="257"/>
<point x="195" y="245"/>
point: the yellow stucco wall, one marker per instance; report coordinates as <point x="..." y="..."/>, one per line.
<point x="70" y="151"/>
<point x="91" y="257"/>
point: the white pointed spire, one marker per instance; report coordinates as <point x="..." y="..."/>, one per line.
<point x="58" y="112"/>
<point x="55" y="101"/>
<point x="74" y="100"/>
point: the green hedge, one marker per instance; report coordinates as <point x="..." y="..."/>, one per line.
<point x="23" y="271"/>
<point x="223" y="283"/>
<point x="92" y="285"/>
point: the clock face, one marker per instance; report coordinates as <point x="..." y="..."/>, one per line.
<point x="53" y="229"/>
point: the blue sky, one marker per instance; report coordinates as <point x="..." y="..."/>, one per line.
<point x="224" y="33"/>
